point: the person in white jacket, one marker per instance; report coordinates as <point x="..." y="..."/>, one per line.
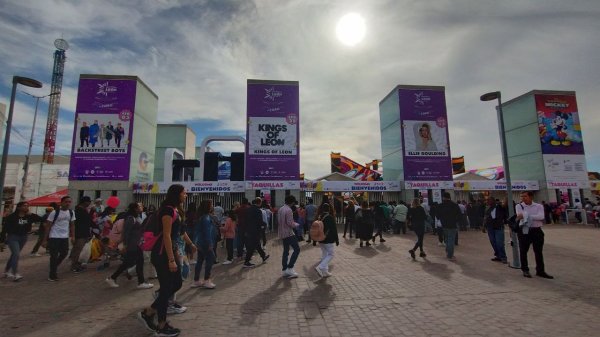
<point x="531" y="220"/>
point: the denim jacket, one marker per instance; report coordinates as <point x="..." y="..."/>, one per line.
<point x="204" y="232"/>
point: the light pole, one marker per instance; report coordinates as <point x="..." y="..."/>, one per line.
<point x="490" y="96"/>
<point x="26" y="165"/>
<point x="26" y="82"/>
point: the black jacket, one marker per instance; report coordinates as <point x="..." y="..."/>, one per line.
<point x="499" y="220"/>
<point x="132" y="233"/>
<point x="330" y="229"/>
<point x="254" y="221"/>
<point x="83" y="223"/>
<point x="449" y="214"/>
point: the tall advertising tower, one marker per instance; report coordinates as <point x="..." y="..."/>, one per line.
<point x="54" y="104"/>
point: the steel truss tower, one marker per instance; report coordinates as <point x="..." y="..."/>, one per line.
<point x="54" y="104"/>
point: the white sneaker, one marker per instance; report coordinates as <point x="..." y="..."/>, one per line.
<point x="197" y="284"/>
<point x="175" y="308"/>
<point x="227" y="262"/>
<point x="326" y="274"/>
<point x="112" y="283"/>
<point x="145" y="285"/>
<point x="8" y="274"/>
<point x="35" y="254"/>
<point x="441" y="244"/>
<point x="320" y="271"/>
<point x="209" y="285"/>
<point x="292" y="273"/>
<point x="17" y="277"/>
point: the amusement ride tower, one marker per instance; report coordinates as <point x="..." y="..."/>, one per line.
<point x="54" y="104"/>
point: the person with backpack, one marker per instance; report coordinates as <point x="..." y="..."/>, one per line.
<point x="364" y="223"/>
<point x="330" y="237"/>
<point x="59" y="225"/>
<point x="416" y="219"/>
<point x="165" y="228"/>
<point x="15" y="228"/>
<point x="133" y="255"/>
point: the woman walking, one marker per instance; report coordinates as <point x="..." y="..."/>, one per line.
<point x="132" y="233"/>
<point x="416" y="219"/>
<point x="15" y="228"/>
<point x="204" y="237"/>
<point x="364" y="223"/>
<point x="331" y="237"/>
<point x="165" y="259"/>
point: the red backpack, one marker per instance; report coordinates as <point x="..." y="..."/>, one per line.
<point x="153" y="230"/>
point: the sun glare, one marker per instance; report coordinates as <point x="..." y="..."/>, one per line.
<point x="350" y="29"/>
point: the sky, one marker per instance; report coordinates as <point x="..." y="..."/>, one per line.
<point x="197" y="56"/>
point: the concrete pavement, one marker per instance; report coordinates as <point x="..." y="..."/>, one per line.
<point x="376" y="291"/>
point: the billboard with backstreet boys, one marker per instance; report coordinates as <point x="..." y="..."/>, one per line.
<point x="424" y="127"/>
<point x="103" y="127"/>
<point x="272" y="134"/>
<point x="561" y="140"/>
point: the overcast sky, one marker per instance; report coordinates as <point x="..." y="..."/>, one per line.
<point x="197" y="55"/>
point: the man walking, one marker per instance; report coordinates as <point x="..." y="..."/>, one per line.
<point x="83" y="223"/>
<point x="400" y="213"/>
<point x="311" y="213"/>
<point x="449" y="214"/>
<point x="254" y="224"/>
<point x="58" y="226"/>
<point x="495" y="216"/>
<point x="286" y="225"/>
<point x="240" y="213"/>
<point x="531" y="217"/>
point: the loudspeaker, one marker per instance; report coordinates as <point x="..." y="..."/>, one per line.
<point x="237" y="166"/>
<point x="211" y="166"/>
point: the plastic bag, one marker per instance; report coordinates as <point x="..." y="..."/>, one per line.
<point x="86" y="251"/>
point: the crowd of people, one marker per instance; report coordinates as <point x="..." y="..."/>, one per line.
<point x="177" y="242"/>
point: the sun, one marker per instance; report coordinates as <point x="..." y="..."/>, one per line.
<point x="350" y="29"/>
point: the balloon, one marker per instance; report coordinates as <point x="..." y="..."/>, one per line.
<point x="113" y="202"/>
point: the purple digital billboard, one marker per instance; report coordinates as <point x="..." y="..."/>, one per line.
<point x="272" y="134"/>
<point x="424" y="127"/>
<point x="103" y="128"/>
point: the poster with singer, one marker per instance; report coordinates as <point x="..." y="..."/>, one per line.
<point x="424" y="127"/>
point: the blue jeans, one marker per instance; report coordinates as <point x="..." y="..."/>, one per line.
<point x="450" y="237"/>
<point x="15" y="244"/>
<point x="204" y="255"/>
<point x="496" y="237"/>
<point x="287" y="242"/>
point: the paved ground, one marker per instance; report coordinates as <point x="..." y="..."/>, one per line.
<point x="374" y="292"/>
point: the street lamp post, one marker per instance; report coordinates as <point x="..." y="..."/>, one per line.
<point x="516" y="262"/>
<point x="26" y="165"/>
<point x="26" y="82"/>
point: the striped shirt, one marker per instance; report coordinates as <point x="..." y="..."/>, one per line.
<point x="285" y="222"/>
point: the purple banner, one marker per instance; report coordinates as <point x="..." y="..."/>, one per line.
<point x="103" y="128"/>
<point x="272" y="134"/>
<point x="425" y="140"/>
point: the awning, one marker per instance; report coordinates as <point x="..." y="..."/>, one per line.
<point x="45" y="200"/>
